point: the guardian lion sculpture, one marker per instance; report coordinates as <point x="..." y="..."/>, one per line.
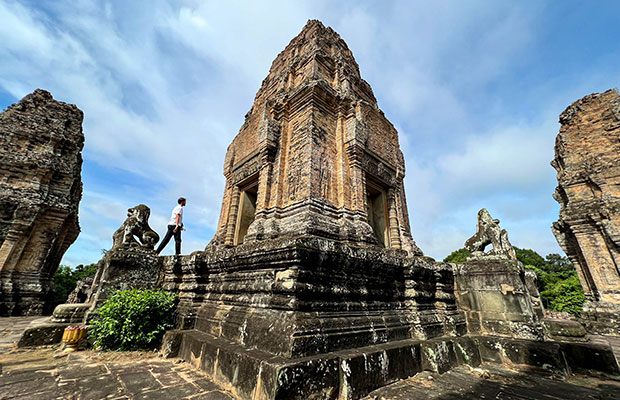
<point x="136" y="225"/>
<point x="489" y="233"/>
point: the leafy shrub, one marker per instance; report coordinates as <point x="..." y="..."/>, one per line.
<point x="133" y="319"/>
<point x="66" y="279"/>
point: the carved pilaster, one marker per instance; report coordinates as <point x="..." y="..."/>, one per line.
<point x="264" y="180"/>
<point x="358" y="178"/>
<point x="395" y="242"/>
<point x="232" y="216"/>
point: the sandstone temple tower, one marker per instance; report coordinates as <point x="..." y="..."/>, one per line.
<point x="313" y="253"/>
<point x="587" y="151"/>
<point x="316" y="155"/>
<point x="40" y="191"/>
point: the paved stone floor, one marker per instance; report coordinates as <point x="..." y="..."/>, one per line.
<point x="47" y="373"/>
<point x="494" y="382"/>
<point x="10" y="329"/>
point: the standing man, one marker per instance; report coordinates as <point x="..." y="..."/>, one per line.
<point x="175" y="225"/>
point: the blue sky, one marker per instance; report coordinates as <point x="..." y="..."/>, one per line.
<point x="473" y="87"/>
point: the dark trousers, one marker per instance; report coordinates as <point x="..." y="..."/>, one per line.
<point x="166" y="239"/>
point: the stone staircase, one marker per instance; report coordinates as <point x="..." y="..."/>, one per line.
<point x="614" y="342"/>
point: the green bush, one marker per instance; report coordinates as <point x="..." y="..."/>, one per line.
<point x="133" y="320"/>
<point x="66" y="279"/>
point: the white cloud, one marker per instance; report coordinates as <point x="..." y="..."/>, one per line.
<point x="513" y="157"/>
<point x="165" y="89"/>
<point x="505" y="170"/>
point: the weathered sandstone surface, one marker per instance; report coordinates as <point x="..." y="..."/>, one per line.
<point x="493" y="289"/>
<point x="131" y="263"/>
<point x="40" y="191"/>
<point x="312" y="286"/>
<point x="587" y="158"/>
<point x="316" y="155"/>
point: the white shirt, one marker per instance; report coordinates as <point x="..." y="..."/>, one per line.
<point x="173" y="220"/>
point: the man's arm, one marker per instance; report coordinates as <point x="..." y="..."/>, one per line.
<point x="177" y="222"/>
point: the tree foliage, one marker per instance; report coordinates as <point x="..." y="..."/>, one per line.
<point x="558" y="284"/>
<point x="458" y="256"/>
<point x="529" y="257"/>
<point x="66" y="279"/>
<point x="133" y="319"/>
<point x="557" y="281"/>
<point x="565" y="295"/>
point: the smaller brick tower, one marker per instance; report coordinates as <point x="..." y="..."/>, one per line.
<point x="40" y="191"/>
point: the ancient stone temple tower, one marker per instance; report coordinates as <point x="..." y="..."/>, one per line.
<point x="587" y="158"/>
<point x="312" y="287"/>
<point x="316" y="155"/>
<point x="313" y="253"/>
<point x="40" y="191"/>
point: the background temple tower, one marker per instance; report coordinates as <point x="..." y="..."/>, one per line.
<point x="588" y="230"/>
<point x="316" y="155"/>
<point x="40" y="191"/>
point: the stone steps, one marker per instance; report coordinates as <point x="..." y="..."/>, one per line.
<point x="354" y="373"/>
<point x="347" y="374"/>
<point x="614" y="342"/>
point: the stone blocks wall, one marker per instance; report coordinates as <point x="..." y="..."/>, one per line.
<point x="493" y="294"/>
<point x="304" y="296"/>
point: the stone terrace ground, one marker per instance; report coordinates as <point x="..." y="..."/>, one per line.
<point x="47" y="373"/>
<point x="493" y="382"/>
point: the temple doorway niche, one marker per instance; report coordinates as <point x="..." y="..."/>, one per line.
<point x="378" y="211"/>
<point x="247" y="209"/>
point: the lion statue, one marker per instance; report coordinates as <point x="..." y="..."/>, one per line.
<point x="489" y="233"/>
<point x="136" y="225"/>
